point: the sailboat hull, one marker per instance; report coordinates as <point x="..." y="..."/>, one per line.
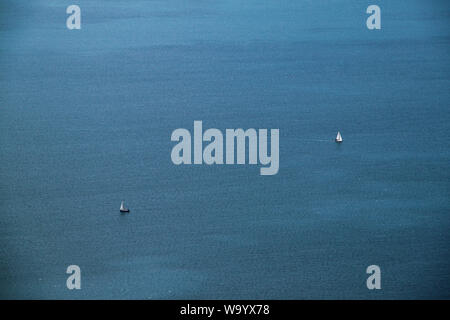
<point x="338" y="141"/>
<point x="124" y="210"/>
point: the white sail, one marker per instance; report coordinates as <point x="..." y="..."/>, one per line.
<point x="339" y="137"/>
<point x="121" y="206"/>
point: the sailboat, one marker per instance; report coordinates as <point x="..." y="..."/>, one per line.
<point x="338" y="137"/>
<point x="123" y="209"/>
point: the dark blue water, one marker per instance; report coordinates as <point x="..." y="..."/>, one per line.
<point x="85" y="122"/>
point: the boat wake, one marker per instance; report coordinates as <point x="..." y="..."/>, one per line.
<point x="316" y="140"/>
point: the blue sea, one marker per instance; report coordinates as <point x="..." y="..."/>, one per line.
<point x="86" y="118"/>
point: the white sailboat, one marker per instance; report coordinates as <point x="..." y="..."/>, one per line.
<point x="123" y="209"/>
<point x="338" y="137"/>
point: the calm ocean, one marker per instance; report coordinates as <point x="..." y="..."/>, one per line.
<point x="86" y="118"/>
